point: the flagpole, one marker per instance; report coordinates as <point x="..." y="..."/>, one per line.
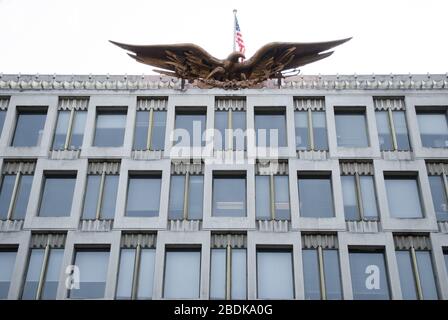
<point x="234" y="29"/>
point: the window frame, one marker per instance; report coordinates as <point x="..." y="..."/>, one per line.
<point x="267" y="111"/>
<point x="357" y="110"/>
<point x="311" y="146"/>
<point x="29" y="110"/>
<point x="273" y="197"/>
<point x="120" y="110"/>
<point x="310" y="175"/>
<point x="430" y="110"/>
<point x="186" y="196"/>
<point x="68" y="174"/>
<point x="149" y="136"/>
<point x="237" y="174"/>
<point x="191" y="111"/>
<point x="143" y="174"/>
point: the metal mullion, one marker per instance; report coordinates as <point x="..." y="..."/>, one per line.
<point x="69" y="129"/>
<point x="323" y="293"/>
<point x="43" y="272"/>
<point x="100" y="196"/>
<point x="186" y="191"/>
<point x="150" y="127"/>
<point x="416" y="274"/>
<point x="136" y="274"/>
<point x="359" y="195"/>
<point x="392" y="129"/>
<point x="228" y="272"/>
<point x="310" y="129"/>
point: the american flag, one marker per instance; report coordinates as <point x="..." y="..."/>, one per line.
<point x="239" y="37"/>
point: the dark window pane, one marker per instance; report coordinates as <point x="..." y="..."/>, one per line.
<point x="109" y="196"/>
<point x="60" y="133"/>
<point x="195" y="197"/>
<point x="281" y="202"/>
<point x="407" y="279"/>
<point x="33" y="274"/>
<point x="311" y="274"/>
<point x="320" y="130"/>
<point x="426" y="273"/>
<point x="221" y="125"/>
<point x="229" y="196"/>
<point x="433" y="129"/>
<point x="93" y="267"/>
<point x="57" y="196"/>
<point x="79" y="123"/>
<point x="29" y="129"/>
<point x="368" y="196"/>
<point x="350" y="198"/>
<point x="270" y="127"/>
<point x="52" y="275"/>
<point x="190" y="129"/>
<point x="403" y="198"/>
<point x="23" y="195"/>
<point x="401" y="130"/>
<point x="351" y="130"/>
<point x="332" y="274"/>
<point x="146" y="274"/>
<point x="125" y="274"/>
<point x="275" y="278"/>
<point x="141" y="130"/>
<point x="110" y="128"/>
<point x="239" y="130"/>
<point x="158" y="130"/>
<point x="176" y="206"/>
<point x="218" y="274"/>
<point x="439" y="198"/>
<point x="7" y="260"/>
<point x="2" y="119"/>
<point x="301" y="121"/>
<point x="315" y="197"/>
<point x="262" y="198"/>
<point x="445" y="254"/>
<point x="143" y="196"/>
<point x="91" y="196"/>
<point x="384" y="133"/>
<point x="369" y="278"/>
<point x="239" y="274"/>
<point x="6" y="194"/>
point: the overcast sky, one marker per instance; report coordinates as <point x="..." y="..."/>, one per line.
<point x="71" y="36"/>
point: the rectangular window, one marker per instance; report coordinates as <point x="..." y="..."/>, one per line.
<point x="110" y="128"/>
<point x="136" y="273"/>
<point x="311" y="130"/>
<point x="29" y="127"/>
<point x="93" y="266"/>
<point x="433" y="129"/>
<point x="351" y="128"/>
<point x="369" y="275"/>
<point x="270" y="126"/>
<point x="7" y="260"/>
<point x="315" y="196"/>
<point x="182" y="274"/>
<point x="190" y="128"/>
<point x="416" y="274"/>
<point x="445" y="254"/>
<point x="229" y="195"/>
<point x="228" y="275"/>
<point x="42" y="277"/>
<point x="272" y="197"/>
<point x="321" y="274"/>
<point x="231" y="130"/>
<point x="100" y="196"/>
<point x="403" y="197"/>
<point x="359" y="197"/>
<point x="69" y="131"/>
<point x="275" y="275"/>
<point x="14" y="195"/>
<point x="57" y="195"/>
<point x="439" y="189"/>
<point x="392" y="130"/>
<point x="150" y="130"/>
<point x="186" y="197"/>
<point x="2" y="119"/>
<point x="143" y="198"/>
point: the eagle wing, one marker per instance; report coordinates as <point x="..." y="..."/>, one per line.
<point x="276" y="57"/>
<point x="184" y="60"/>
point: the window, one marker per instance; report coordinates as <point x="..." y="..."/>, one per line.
<point x="315" y="196"/>
<point x="272" y="197"/>
<point x="311" y="130"/>
<point x="7" y="260"/>
<point x="433" y="129"/>
<point x="369" y="275"/>
<point x="136" y="273"/>
<point x="403" y="197"/>
<point x="15" y="191"/>
<point x="143" y="199"/>
<point x="57" y="195"/>
<point x="445" y="254"/>
<point x="229" y="195"/>
<point x="69" y="130"/>
<point x="359" y="197"/>
<point x="100" y="196"/>
<point x="110" y="128"/>
<point x="2" y="118"/>
<point x="416" y="274"/>
<point x="186" y="197"/>
<point x="190" y="128"/>
<point x="42" y="277"/>
<point x="270" y="126"/>
<point x="392" y="130"/>
<point x="228" y="273"/>
<point x="439" y="189"/>
<point x="275" y="277"/>
<point x="321" y="274"/>
<point x="231" y="126"/>
<point x="182" y="274"/>
<point x="93" y="265"/>
<point x="351" y="130"/>
<point x="29" y="127"/>
<point x="150" y="130"/>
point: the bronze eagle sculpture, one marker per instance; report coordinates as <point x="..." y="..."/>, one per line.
<point x="191" y="62"/>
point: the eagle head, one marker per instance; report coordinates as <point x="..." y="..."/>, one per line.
<point x="235" y="56"/>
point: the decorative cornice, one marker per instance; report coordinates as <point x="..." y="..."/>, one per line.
<point x="151" y="82"/>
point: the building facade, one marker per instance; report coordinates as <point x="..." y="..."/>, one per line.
<point x="318" y="187"/>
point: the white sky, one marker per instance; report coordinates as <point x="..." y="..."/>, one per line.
<point x="70" y="36"/>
